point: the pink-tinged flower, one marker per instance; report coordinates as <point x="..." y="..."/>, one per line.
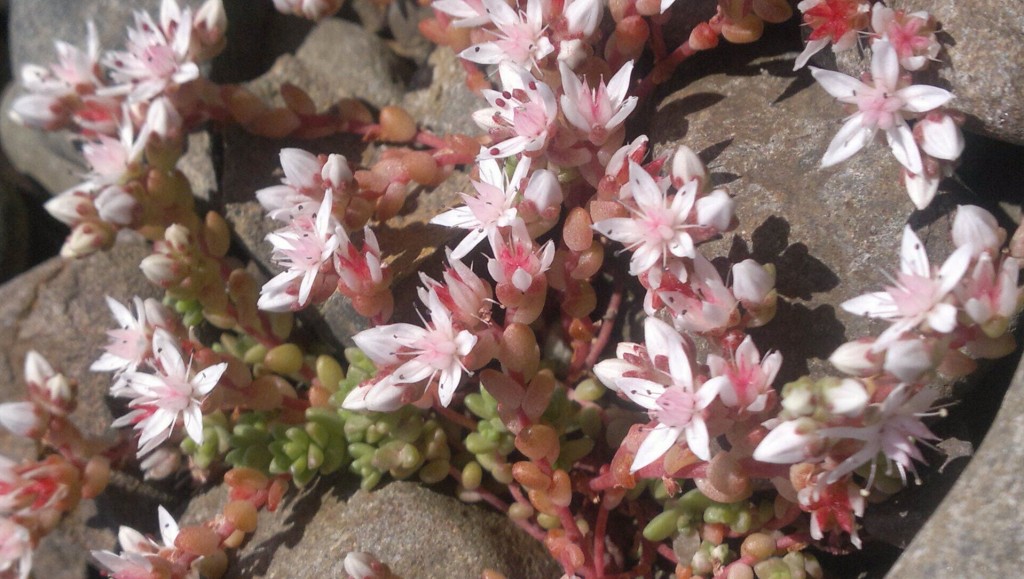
<point x="361" y="565"/>
<point x="415" y="355"/>
<point x="745" y="380"/>
<point x="659" y="226"/>
<point x="157" y="56"/>
<point x="37" y="490"/>
<point x="306" y="178"/>
<point x="360" y="271"/>
<point x="911" y="35"/>
<point x="171" y="392"/>
<point x="708" y="306"/>
<point x="140" y="556"/>
<point x="519" y="38"/>
<point x="667" y="391"/>
<point x="597" y="113"/>
<point x="466" y="13"/>
<point x="892" y="428"/>
<point x="72" y="206"/>
<point x="306" y="249"/>
<point x="55" y="93"/>
<point x="128" y="345"/>
<point x="115" y="205"/>
<point x="15" y="549"/>
<point x="468" y="297"/>
<point x="521" y="118"/>
<point x="977" y="228"/>
<point x="517" y="259"/>
<point x="686" y="166"/>
<point x="919" y="294"/>
<point x="309" y="9"/>
<point x="990" y="297"/>
<point x="752" y="283"/>
<point x="831" y="21"/>
<point x="882" y="105"/>
<point x="493" y="206"/>
<point x="47" y="388"/>
<point x="833" y="508"/>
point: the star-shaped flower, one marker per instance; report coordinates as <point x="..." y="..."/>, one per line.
<point x="883" y="105"/>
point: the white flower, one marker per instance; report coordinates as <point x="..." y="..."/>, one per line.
<point x="893" y="431"/>
<point x="669" y="394"/>
<point x="416" y="355"/>
<point x="306" y="249"/>
<point x="161" y="398"/>
<point x="137" y="551"/>
<point x="746" y="379"/>
<point x="520" y="37"/>
<point x="598" y="112"/>
<point x="521" y="117"/>
<point x="881" y="106"/>
<point x="491" y="208"/>
<point x="157" y="57"/>
<point x="658" y="226"/>
<point x="919" y="293"/>
<point x="467" y="13"/>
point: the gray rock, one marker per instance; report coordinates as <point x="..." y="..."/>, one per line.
<point x="980" y="64"/>
<point x="976" y="530"/>
<point x="444" y="106"/>
<point x="415" y="531"/>
<point x="338" y="59"/>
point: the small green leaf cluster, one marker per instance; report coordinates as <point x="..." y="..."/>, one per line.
<point x="686" y="512"/>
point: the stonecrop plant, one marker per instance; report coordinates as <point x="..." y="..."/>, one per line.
<point x="605" y="453"/>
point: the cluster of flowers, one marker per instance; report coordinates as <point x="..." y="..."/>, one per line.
<point x="556" y="169"/>
<point x="129" y="107"/>
<point x="36" y="494"/>
<point x="314" y="246"/>
<point x="885" y="100"/>
<point x="941" y="318"/>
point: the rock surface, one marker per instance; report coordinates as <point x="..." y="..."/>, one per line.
<point x="414" y="530"/>
<point x="980" y="63"/>
<point x="976" y="530"/>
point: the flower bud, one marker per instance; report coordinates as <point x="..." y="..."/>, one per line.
<point x="716" y="210"/>
<point x="847" y="398"/>
<point x="687" y="166"/>
<point x="23" y="419"/>
<point x="790" y="442"/>
<point x="941" y="137"/>
<point x="71" y="207"/>
<point x="921" y="188"/>
<point x="87" y="238"/>
<point x="856" y="358"/>
<point x="977" y="228"/>
<point x="115" y="205"/>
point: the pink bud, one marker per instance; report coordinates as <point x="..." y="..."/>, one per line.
<point x="86" y="239"/>
<point x="910" y="359"/>
<point x="336" y="171"/>
<point x="160" y="269"/>
<point x="71" y="206"/>
<point x="847" y="398"/>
